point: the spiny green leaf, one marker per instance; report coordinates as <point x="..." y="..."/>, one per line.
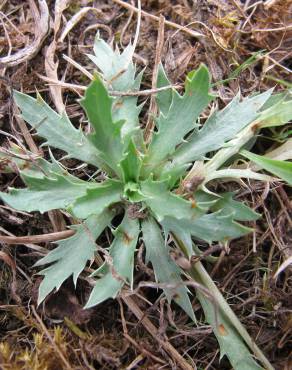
<point x="122" y="253"/>
<point x="283" y="152"/>
<point x="231" y="344"/>
<point x="118" y="72"/>
<point x="117" y="68"/>
<point x="164" y="203"/>
<point x="38" y="167"/>
<point x="72" y="254"/>
<point x="41" y="168"/>
<point x="181" y="234"/>
<point x="237" y="173"/>
<point x="226" y="205"/>
<point x="107" y="133"/>
<point x="97" y="199"/>
<point x="230" y="333"/>
<point x="133" y="193"/>
<point x="131" y="163"/>
<point x="165" y="270"/>
<point x="278" y="112"/>
<point x="57" y="129"/>
<point x="220" y="127"/>
<point x="125" y="109"/>
<point x="45" y="193"/>
<point x="163" y="98"/>
<point x="238" y="210"/>
<point x="181" y="117"/>
<point x="283" y="169"/>
<point x="275" y="99"/>
<point x="205" y="201"/>
<point x="209" y="227"/>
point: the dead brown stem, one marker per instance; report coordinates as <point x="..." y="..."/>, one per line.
<point x="43" y="238"/>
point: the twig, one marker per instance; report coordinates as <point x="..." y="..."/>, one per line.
<point x="111" y="92"/>
<point x="135" y="362"/>
<point x="144" y="92"/>
<point x="143" y="350"/>
<point x="156" y="19"/>
<point x="34" y="247"/>
<point x="278" y="64"/>
<point x="277" y="29"/>
<point x="126" y="26"/>
<point x="78" y="66"/>
<point x="135" y="42"/>
<point x="25" y="132"/>
<point x="43" y="238"/>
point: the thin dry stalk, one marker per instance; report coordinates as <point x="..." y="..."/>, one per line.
<point x="111" y="92"/>
<point x="130" y="302"/>
<point x="143" y="351"/>
<point x="51" y="59"/>
<point x="43" y="238"/>
<point x="153" y="106"/>
<point x="53" y="343"/>
<point x="25" y="132"/>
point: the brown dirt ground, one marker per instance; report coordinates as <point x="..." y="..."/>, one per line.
<point x="60" y="334"/>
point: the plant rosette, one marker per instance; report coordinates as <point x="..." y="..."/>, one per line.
<point x="157" y="188"/>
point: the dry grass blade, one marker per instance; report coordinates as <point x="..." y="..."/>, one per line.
<point x="75" y="19"/>
<point x="78" y="66"/>
<point x="51" y="67"/>
<point x="41" y="32"/>
<point x="51" y="60"/>
<point x="25" y="132"/>
<point x="60" y="6"/>
<point x="283" y="267"/>
<point x="270" y="3"/>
